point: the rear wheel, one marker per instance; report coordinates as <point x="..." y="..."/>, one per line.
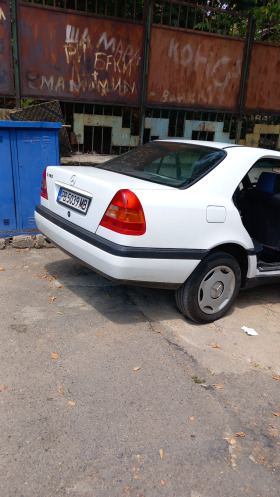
<point x="211" y="289"/>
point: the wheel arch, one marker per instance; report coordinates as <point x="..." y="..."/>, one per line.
<point x="239" y="253"/>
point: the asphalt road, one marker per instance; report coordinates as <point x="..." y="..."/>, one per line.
<point x="107" y="391"/>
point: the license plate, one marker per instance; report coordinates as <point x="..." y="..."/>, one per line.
<point x="73" y="200"/>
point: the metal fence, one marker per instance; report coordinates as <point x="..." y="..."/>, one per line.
<point x="128" y="71"/>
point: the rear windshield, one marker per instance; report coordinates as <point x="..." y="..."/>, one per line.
<point x="168" y="163"/>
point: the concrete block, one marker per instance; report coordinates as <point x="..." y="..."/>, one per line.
<point x="23" y="241"/>
<point x="2" y="243"/>
<point x="40" y="242"/>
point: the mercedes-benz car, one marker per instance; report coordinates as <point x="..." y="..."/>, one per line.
<point x="202" y="218"/>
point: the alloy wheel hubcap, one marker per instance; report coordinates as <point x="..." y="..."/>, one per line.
<point x="216" y="289"/>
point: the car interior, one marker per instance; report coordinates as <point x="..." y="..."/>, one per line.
<point x="258" y="201"/>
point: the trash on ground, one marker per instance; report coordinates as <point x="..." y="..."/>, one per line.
<point x="249" y="331"/>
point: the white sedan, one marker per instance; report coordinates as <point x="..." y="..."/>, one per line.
<point x="202" y="218"/>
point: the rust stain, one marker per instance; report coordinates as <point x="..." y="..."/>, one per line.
<point x="6" y="72"/>
<point x="194" y="69"/>
<point x="73" y="56"/>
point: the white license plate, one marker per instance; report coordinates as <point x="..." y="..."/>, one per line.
<point x="73" y="200"/>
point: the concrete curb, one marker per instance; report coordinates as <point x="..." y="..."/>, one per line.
<point x="25" y="242"/>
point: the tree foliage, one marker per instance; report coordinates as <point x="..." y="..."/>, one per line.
<point x="266" y="14"/>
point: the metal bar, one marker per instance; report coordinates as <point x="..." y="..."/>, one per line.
<point x="219" y="16"/>
<point x="130" y="122"/>
<point x="178" y="18"/>
<point x="15" y="50"/>
<point x="194" y="22"/>
<point x="92" y="131"/>
<point x="210" y="23"/>
<point x="111" y="133"/>
<point x="176" y="124"/>
<point x="187" y="17"/>
<point x="244" y="80"/>
<point x="203" y="17"/>
<point x="147" y="37"/>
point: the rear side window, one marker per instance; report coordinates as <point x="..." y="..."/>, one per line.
<point x="168" y="163"/>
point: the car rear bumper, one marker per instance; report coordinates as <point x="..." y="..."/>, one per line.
<point x="145" y="265"/>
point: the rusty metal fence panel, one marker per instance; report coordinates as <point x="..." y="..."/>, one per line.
<point x="6" y="70"/>
<point x="194" y="69"/>
<point x="263" y="90"/>
<point x="65" y="55"/>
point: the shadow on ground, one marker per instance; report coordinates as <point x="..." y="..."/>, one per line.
<point x="120" y="303"/>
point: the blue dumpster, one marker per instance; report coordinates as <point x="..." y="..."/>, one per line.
<point x="26" y="148"/>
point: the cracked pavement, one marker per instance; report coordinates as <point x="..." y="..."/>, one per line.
<point x="106" y="390"/>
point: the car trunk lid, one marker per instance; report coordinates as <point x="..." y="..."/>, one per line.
<point x="83" y="194"/>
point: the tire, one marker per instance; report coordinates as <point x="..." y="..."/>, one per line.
<point x="211" y="289"/>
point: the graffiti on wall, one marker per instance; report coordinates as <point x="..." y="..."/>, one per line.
<point x="93" y="59"/>
<point x="6" y="80"/>
<point x="207" y="70"/>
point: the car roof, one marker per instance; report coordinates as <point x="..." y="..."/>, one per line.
<point x="262" y="152"/>
<point x="202" y="143"/>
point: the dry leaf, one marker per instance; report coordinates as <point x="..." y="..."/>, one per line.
<point x="192" y="418"/>
<point x="60" y="391"/>
<point x="54" y="356"/>
<point x="71" y="403"/>
<point x="52" y="299"/>
<point x="127" y="490"/>
<point x="137" y="368"/>
<point x="261" y="458"/>
<point x="161" y="453"/>
<point x="218" y="387"/>
<point x="157" y="331"/>
<point x="240" y="434"/>
<point x="215" y="346"/>
<point x="276" y="377"/>
<point x="42" y="276"/>
<point x="2" y="269"/>
<point x="3" y="388"/>
<point x="60" y="313"/>
<point x="274" y="434"/>
<point x="277" y="414"/>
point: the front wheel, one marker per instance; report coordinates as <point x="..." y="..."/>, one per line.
<point x="211" y="289"/>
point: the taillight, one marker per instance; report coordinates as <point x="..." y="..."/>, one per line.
<point x="125" y="214"/>
<point x="44" y="190"/>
